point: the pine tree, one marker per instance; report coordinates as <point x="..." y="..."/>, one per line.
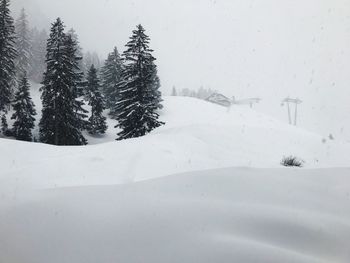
<point x="74" y="50"/>
<point x="7" y="54"/>
<point x="155" y="96"/>
<point x="74" y="77"/>
<point x="111" y="75"/>
<point x="24" y="112"/>
<point x="89" y="59"/>
<point x="174" y="92"/>
<point x="79" y="49"/>
<point x="139" y="89"/>
<point x="75" y="38"/>
<point x="62" y="116"/>
<point x="4" y="125"/>
<point x="38" y="51"/>
<point x="97" y="122"/>
<point x="23" y="45"/>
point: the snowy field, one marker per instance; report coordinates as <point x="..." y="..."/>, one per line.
<point x="172" y="197"/>
<point x="197" y="136"/>
<point x="230" y="215"/>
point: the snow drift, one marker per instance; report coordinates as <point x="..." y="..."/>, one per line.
<point x="230" y="215"/>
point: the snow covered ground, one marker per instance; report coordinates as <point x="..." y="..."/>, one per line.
<point x="198" y="135"/>
<point x="102" y="203"/>
<point x="229" y="215"/>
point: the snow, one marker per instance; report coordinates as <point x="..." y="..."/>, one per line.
<point x="198" y="135"/>
<point x="228" y="215"/>
<point x="178" y="194"/>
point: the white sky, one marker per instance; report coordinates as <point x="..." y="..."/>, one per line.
<point x="266" y="48"/>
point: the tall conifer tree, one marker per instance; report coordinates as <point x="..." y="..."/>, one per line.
<point x="23" y="46"/>
<point x="38" y="53"/>
<point x="97" y="122"/>
<point x="79" y="50"/>
<point x="4" y="125"/>
<point x="7" y="55"/>
<point x="75" y="77"/>
<point x="24" y="112"/>
<point x="174" y="91"/>
<point x="89" y="59"/>
<point x="136" y="109"/>
<point x="155" y="96"/>
<point x="62" y="116"/>
<point x="111" y="75"/>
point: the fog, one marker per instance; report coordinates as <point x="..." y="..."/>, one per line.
<point x="270" y="49"/>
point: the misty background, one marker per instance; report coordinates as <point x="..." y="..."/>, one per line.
<point x="269" y="49"/>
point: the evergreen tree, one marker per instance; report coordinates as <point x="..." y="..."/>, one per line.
<point x="75" y="38"/>
<point x="62" y="115"/>
<point x="155" y="96"/>
<point x="7" y="54"/>
<point x="185" y="92"/>
<point x="111" y="75"/>
<point x="89" y="59"/>
<point x="38" y="51"/>
<point x="24" y="112"/>
<point x="79" y="49"/>
<point x="174" y="92"/>
<point x="97" y="122"/>
<point x="139" y="89"/>
<point x="23" y="45"/>
<point x="75" y="82"/>
<point x="77" y="76"/>
<point x="4" y="125"/>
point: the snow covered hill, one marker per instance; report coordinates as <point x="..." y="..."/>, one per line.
<point x="198" y="135"/>
<point x="88" y="204"/>
<point x="230" y="215"/>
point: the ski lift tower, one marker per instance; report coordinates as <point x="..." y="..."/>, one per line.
<point x="290" y="101"/>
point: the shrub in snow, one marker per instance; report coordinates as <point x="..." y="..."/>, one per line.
<point x="292" y="161"/>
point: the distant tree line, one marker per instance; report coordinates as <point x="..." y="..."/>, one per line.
<point x="201" y="93"/>
<point x="126" y="85"/>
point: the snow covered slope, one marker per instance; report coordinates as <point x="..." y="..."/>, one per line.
<point x="198" y="135"/>
<point x="223" y="216"/>
<point x="79" y="205"/>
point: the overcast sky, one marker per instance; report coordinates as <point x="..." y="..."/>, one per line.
<point x="243" y="48"/>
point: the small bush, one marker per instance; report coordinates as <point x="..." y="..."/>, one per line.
<point x="9" y="133"/>
<point x="292" y="161"/>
